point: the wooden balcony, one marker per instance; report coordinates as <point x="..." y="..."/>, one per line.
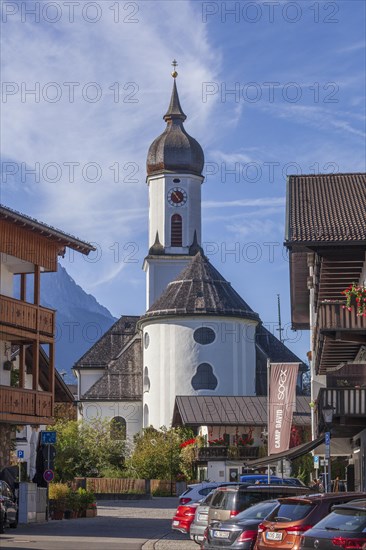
<point x="338" y="335"/>
<point x="349" y="408"/>
<point x="226" y="453"/>
<point x="24" y="320"/>
<point x="20" y="406"/>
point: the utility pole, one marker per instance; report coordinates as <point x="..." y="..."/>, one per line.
<point x="280" y="329"/>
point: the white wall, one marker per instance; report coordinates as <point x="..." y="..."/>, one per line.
<point x="173" y="356"/>
<point x="131" y="411"/>
<point x="160" y="271"/>
<point x="86" y="378"/>
<point x="6" y="280"/>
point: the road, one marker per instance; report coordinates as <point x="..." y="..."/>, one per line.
<point x="126" y="525"/>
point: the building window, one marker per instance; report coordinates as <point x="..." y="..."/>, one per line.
<point x="146" y="340"/>
<point x="118" y="428"/>
<point x="204" y="379"/>
<point x="146" y="380"/>
<point x="146" y="416"/>
<point x="176" y="230"/>
<point x="204" y="335"/>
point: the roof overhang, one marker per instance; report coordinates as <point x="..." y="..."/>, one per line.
<point x="291" y="454"/>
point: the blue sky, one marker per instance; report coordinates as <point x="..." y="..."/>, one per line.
<point x="270" y="88"/>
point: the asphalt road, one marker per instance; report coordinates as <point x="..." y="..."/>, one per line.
<point x="126" y="525"/>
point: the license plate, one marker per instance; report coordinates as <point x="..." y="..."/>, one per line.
<point x="273" y="535"/>
<point x="221" y="534"/>
<point x="202" y="517"/>
<point x="175" y="522"/>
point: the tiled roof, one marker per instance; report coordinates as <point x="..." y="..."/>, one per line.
<point x="231" y="411"/>
<point x="200" y="290"/>
<point x="122" y="379"/>
<point x="274" y="349"/>
<point x="110" y="344"/>
<point x="45" y="230"/>
<point x="326" y="208"/>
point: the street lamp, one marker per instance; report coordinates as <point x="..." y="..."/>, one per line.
<point x="327" y="412"/>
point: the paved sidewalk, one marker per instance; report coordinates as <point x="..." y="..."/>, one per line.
<point x="171" y="541"/>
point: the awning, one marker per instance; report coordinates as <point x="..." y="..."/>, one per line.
<point x="291" y="454"/>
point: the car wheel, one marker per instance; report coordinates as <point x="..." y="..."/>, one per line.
<point x="14" y="525"/>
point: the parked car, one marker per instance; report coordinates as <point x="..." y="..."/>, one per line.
<point x="8" y="507"/>
<point x="240" y="532"/>
<point x="284" y="526"/>
<point x="227" y="502"/>
<point x="263" y="479"/>
<point x="197" y="491"/>
<point x="200" y="521"/>
<point x="344" y="527"/>
<point x="184" y="517"/>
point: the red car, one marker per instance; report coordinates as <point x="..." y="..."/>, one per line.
<point x="184" y="517"/>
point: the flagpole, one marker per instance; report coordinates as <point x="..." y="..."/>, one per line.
<point x="268" y="373"/>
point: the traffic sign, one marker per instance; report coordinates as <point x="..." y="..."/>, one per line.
<point x="20" y="454"/>
<point x="316" y="462"/>
<point x="48" y="475"/>
<point x="48" y="438"/>
<point x="327" y="438"/>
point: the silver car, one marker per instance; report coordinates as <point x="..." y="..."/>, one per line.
<point x="200" y="522"/>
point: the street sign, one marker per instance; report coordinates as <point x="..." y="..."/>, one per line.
<point x="20" y="454"/>
<point x="316" y="462"/>
<point x="48" y="438"/>
<point x="48" y="475"/>
<point x="327" y="438"/>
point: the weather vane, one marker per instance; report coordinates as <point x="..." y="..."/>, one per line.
<point x="174" y="65"/>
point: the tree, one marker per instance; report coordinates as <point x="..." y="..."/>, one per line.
<point x="157" y="453"/>
<point x="85" y="449"/>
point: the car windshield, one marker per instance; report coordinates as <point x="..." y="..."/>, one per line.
<point x="258" y="511"/>
<point x="344" y="520"/>
<point x="291" y="511"/>
<point x="223" y="500"/>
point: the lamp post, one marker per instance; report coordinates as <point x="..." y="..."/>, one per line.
<point x="328" y="419"/>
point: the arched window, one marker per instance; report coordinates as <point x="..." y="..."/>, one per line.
<point x="118" y="428"/>
<point x="146" y="416"/>
<point x="176" y="230"/>
<point x="146" y="381"/>
<point x="204" y="379"/>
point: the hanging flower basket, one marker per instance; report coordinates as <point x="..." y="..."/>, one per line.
<point x="356" y="298"/>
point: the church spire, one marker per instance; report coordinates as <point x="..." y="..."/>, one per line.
<point x="175" y="111"/>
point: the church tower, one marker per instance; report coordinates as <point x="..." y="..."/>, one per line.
<point x="174" y="176"/>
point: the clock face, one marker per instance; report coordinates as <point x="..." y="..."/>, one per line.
<point x="177" y="196"/>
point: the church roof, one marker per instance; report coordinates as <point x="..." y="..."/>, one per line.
<point x="274" y="349"/>
<point x="326" y="208"/>
<point x="175" y="150"/>
<point x="211" y="410"/>
<point x="122" y="379"/>
<point x="110" y="344"/>
<point x="200" y="290"/>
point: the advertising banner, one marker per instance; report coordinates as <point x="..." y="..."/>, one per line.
<point x="282" y="398"/>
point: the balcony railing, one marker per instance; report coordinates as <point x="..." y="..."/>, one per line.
<point x="332" y="316"/>
<point x="16" y="403"/>
<point x="226" y="453"/>
<point x="26" y="317"/>
<point x="346" y="402"/>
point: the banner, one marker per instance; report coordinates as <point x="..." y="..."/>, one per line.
<point x="282" y="398"/>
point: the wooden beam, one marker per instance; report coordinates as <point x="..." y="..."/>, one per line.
<point x="23" y="287"/>
<point x="51" y="373"/>
<point x="21" y="366"/>
<point x="37" y="285"/>
<point x="35" y="366"/>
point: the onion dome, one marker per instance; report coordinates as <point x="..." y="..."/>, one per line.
<point x="200" y="290"/>
<point x="175" y="150"/>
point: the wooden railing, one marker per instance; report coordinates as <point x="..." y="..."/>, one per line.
<point x="226" y="452"/>
<point x="346" y="402"/>
<point x="20" y="402"/>
<point x="333" y="316"/>
<point x="26" y="317"/>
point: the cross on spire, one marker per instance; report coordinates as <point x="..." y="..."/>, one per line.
<point x="174" y="65"/>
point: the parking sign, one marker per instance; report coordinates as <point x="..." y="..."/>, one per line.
<point x="20" y="454"/>
<point x="316" y="462"/>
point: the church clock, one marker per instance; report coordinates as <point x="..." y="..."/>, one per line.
<point x="177" y="196"/>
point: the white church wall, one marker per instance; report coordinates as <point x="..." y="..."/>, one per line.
<point x="160" y="271"/>
<point x="172" y="357"/>
<point x="131" y="411"/>
<point x="88" y="377"/>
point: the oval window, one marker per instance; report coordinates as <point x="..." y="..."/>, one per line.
<point x="176" y="180"/>
<point x="204" y="335"/>
<point x="146" y="340"/>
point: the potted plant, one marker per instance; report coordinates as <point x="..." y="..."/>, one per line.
<point x="72" y="505"/>
<point x="356" y="297"/>
<point x="91" y="510"/>
<point x="86" y="500"/>
<point x="58" y="498"/>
